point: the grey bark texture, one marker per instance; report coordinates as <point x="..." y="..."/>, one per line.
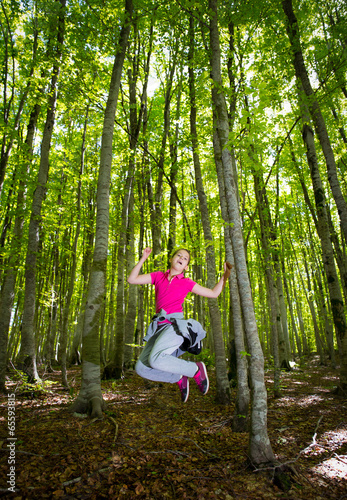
<point x="90" y="396"/>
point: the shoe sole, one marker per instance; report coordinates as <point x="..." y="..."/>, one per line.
<point x="202" y="365"/>
<point x="187" y="395"/>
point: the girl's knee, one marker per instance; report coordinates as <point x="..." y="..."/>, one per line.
<point x="140" y="368"/>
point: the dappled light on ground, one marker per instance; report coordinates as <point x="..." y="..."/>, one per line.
<point x="333" y="468"/>
<point x="151" y="446"/>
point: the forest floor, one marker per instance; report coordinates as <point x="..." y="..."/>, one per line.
<point x="151" y="446"/>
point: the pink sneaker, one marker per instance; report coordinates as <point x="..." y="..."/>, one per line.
<point x="201" y="378"/>
<point x="183" y="384"/>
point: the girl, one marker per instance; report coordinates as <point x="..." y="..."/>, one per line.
<point x="169" y="335"/>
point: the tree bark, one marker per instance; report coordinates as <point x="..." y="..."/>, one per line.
<point x="156" y="198"/>
<point x="125" y="319"/>
<point x="296" y="338"/>
<point x="173" y="173"/>
<point x="27" y="354"/>
<point x="129" y="323"/>
<point x="223" y="388"/>
<point x="260" y="451"/>
<point x="278" y="347"/>
<point x="315" y="112"/>
<point x="90" y="396"/>
<point x="336" y="299"/>
<point x="241" y="413"/>
<point x="75" y="355"/>
<point x="8" y="137"/>
<point x="9" y="284"/>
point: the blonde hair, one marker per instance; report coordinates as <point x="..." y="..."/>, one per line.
<point x="178" y="250"/>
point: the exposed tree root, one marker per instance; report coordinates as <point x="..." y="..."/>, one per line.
<point x="94" y="406"/>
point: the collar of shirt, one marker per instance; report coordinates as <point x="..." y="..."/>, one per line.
<point x="179" y="276"/>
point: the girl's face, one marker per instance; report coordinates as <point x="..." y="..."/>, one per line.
<point x="180" y="260"/>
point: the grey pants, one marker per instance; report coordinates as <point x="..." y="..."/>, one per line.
<point x="159" y="359"/>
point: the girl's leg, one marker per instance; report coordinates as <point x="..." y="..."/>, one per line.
<point x="158" y="361"/>
<point x="164" y="351"/>
<point x="144" y="369"/>
<point x="155" y="375"/>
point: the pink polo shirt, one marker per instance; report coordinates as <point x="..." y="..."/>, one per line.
<point x="170" y="295"/>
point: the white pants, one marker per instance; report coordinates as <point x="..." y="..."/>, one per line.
<point x="159" y="359"/>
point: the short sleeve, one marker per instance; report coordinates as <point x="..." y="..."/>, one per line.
<point x="189" y="284"/>
<point x="154" y="276"/>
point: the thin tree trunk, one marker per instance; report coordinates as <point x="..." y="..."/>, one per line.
<point x="311" y="303"/>
<point x="90" y="396"/>
<point x="335" y="294"/>
<point x="156" y="198"/>
<point x="115" y="368"/>
<point x="53" y="313"/>
<point x="68" y="298"/>
<point x="139" y="329"/>
<point x="71" y="286"/>
<point x="8" y="288"/>
<point x="124" y="353"/>
<point x="315" y="112"/>
<point x="129" y="324"/>
<point x="291" y="312"/>
<point x="339" y="255"/>
<point x="173" y="173"/>
<point x="260" y="451"/>
<point x="111" y="305"/>
<point x="321" y="294"/>
<point x="223" y="388"/>
<point x="27" y="355"/>
<point x="283" y="310"/>
<point x="6" y="145"/>
<point x="278" y="346"/>
<point x="75" y="356"/>
<point x="237" y="333"/>
<point x="240" y="419"/>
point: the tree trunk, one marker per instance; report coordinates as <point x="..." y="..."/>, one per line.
<point x="155" y="199"/>
<point x="335" y="294"/>
<point x="278" y="347"/>
<point x="75" y="355"/>
<point x="90" y="396"/>
<point x="27" y="355"/>
<point x="339" y="254"/>
<point x="173" y="173"/>
<point x="8" y="137"/>
<point x="8" y="288"/>
<point x="284" y="317"/>
<point x="315" y="112"/>
<point x="291" y="312"/>
<point x="125" y="326"/>
<point x="68" y="298"/>
<point x="140" y="319"/>
<point x="223" y="388"/>
<point x="321" y="293"/>
<point x="311" y="304"/>
<point x="115" y="368"/>
<point x="260" y="451"/>
<point x="129" y="324"/>
<point x="53" y="311"/>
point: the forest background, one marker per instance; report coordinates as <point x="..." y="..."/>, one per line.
<point x="216" y="127"/>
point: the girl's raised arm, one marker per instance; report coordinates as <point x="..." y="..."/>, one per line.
<point x="216" y="290"/>
<point x="135" y="278"/>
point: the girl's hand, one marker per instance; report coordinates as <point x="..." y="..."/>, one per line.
<point x="227" y="270"/>
<point x="146" y="253"/>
